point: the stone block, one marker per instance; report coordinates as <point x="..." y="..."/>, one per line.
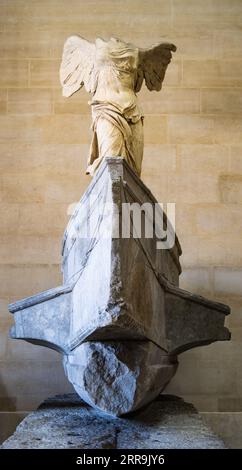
<point x="7" y="403"/>
<point x="53" y="216"/>
<point x="197" y="11"/>
<point x="235" y="320"/>
<point x="219" y="250"/>
<point x="219" y="218"/>
<point x="188" y="188"/>
<point x="41" y="188"/>
<point x="227" y="425"/>
<point x="29" y="101"/>
<point x="3" y="342"/>
<point x="17" y="188"/>
<point x="155" y="157"/>
<point x="230" y="187"/>
<point x="182" y="188"/>
<point x="230" y="404"/>
<point x="46" y="129"/>
<point x="3" y="107"/>
<point x="195" y="377"/>
<point x="171" y="101"/>
<point x="30" y="249"/>
<point x="14" y="73"/>
<point x="30" y="401"/>
<point x="60" y="190"/>
<point x="76" y="104"/>
<point x="235" y="332"/>
<point x="155" y="130"/>
<point x="228" y="281"/>
<point x="236" y="159"/>
<point x="44" y="73"/>
<point x="25" y="44"/>
<point x="5" y="321"/>
<point x="190" y="129"/>
<point x="45" y="158"/>
<point x="197" y="280"/>
<point x="166" y="423"/>
<point x="18" y="280"/>
<point x="227" y="43"/>
<point x="221" y="101"/>
<point x="202" y="16"/>
<point x="17" y="375"/>
<point x="210" y="250"/>
<point x="185" y="218"/>
<point x="20" y="128"/>
<point x="190" y="42"/>
<point x="212" y="72"/>
<point x="204" y="158"/>
<point x="174" y="73"/>
<point x="110" y="18"/>
<point x="3" y="101"/>
<point x="227" y="129"/>
<point x="16" y="351"/>
<point x="73" y="129"/>
<point x="202" y="402"/>
<point x="190" y="249"/>
<point x="29" y="108"/>
<point x="10" y="218"/>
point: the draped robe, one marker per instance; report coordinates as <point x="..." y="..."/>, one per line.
<point x="117" y="119"/>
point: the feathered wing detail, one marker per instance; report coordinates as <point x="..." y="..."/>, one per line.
<point x="152" y="66"/>
<point x="78" y="66"/>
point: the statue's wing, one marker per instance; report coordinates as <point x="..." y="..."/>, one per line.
<point x="78" y="66"/>
<point x="152" y="65"/>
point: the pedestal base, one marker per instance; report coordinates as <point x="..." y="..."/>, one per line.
<point x="66" y="422"/>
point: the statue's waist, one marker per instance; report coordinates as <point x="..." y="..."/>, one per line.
<point x="131" y="113"/>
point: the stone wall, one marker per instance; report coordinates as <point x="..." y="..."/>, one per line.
<point x="193" y="156"/>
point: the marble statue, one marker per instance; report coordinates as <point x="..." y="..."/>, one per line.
<point x="119" y="319"/>
<point x="113" y="72"/>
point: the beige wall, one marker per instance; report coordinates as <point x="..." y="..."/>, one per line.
<point x="193" y="156"/>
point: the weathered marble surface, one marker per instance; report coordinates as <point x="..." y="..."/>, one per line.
<point x="122" y="291"/>
<point x="66" y="422"/>
<point x="117" y="288"/>
<point x="118" y="377"/>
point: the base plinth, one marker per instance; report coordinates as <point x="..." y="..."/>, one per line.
<point x="66" y="422"/>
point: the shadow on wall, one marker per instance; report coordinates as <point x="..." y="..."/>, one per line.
<point x="8" y="423"/>
<point x="6" y="403"/>
<point x="8" y="394"/>
<point x="9" y="419"/>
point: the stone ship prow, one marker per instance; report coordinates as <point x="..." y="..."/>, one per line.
<point x="120" y="318"/>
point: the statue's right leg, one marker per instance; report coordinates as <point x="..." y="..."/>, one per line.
<point x="110" y="139"/>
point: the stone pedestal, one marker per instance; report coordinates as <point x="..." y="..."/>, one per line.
<point x="66" y="422"/>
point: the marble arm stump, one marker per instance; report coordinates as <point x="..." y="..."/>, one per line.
<point x="120" y="319"/>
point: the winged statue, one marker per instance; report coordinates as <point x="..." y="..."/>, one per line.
<point x="113" y="71"/>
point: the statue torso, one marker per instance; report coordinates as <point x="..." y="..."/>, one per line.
<point x="116" y="64"/>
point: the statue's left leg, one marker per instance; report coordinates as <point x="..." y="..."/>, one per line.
<point x="109" y="143"/>
<point x="137" y="144"/>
